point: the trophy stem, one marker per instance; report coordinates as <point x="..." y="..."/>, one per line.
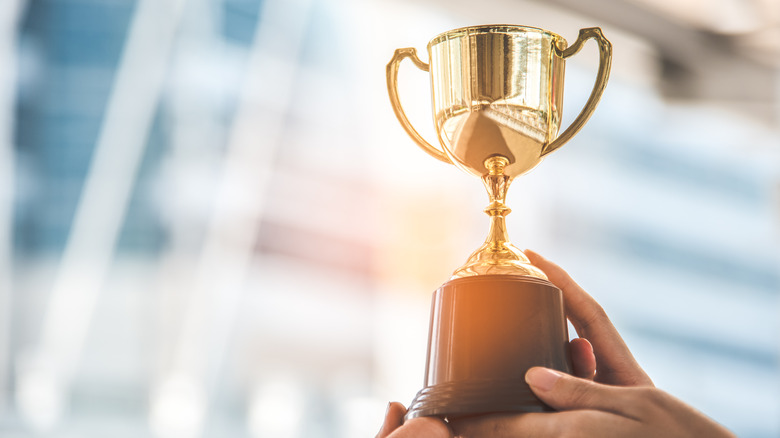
<point x="497" y="183"/>
<point x="497" y="256"/>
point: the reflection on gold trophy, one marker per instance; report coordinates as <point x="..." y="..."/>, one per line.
<point x="497" y="102"/>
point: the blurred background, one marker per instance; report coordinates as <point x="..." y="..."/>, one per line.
<point x="212" y="225"/>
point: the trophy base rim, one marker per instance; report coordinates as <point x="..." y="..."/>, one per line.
<point x="462" y="399"/>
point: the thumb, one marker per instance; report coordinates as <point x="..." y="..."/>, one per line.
<point x="394" y="418"/>
<point x="564" y="392"/>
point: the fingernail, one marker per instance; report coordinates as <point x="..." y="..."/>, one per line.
<point x="542" y="378"/>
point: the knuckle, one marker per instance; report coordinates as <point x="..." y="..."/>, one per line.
<point x="657" y="397"/>
<point x="596" y="315"/>
<point x="580" y="395"/>
<point x="651" y="398"/>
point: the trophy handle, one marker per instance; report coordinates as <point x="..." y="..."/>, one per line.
<point x="392" y="89"/>
<point x="605" y="62"/>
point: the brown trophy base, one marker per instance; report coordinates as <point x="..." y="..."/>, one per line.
<point x="486" y="332"/>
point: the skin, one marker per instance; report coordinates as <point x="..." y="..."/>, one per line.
<point x="425" y="427"/>
<point x="608" y="396"/>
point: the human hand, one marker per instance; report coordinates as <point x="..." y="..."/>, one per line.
<point x="620" y="401"/>
<point x="609" y="360"/>
<point x="424" y="427"/>
<point x="589" y="409"/>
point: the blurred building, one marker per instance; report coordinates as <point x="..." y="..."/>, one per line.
<point x="219" y="229"/>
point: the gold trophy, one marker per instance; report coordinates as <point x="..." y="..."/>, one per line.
<point x="497" y="100"/>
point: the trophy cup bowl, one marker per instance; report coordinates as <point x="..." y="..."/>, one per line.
<point x="497" y="96"/>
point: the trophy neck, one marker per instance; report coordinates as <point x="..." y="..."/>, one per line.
<point x="497" y="255"/>
<point x="497" y="183"/>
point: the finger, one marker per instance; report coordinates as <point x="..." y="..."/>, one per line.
<point x="564" y="392"/>
<point x="508" y="425"/>
<point x="394" y="418"/>
<point x="422" y="427"/>
<point x="546" y="425"/>
<point x="587" y="316"/>
<point x="615" y="363"/>
<point x="582" y="358"/>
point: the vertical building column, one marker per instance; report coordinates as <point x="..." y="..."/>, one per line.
<point x="45" y="374"/>
<point x="180" y="398"/>
<point x="10" y="12"/>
